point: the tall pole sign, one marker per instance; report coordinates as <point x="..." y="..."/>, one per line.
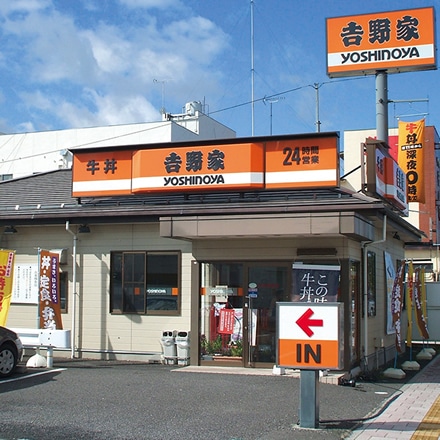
<point x="378" y="44"/>
<point x="392" y="41"/>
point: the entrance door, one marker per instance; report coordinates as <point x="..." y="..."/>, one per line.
<point x="221" y="314"/>
<point x="238" y="312"/>
<point x="266" y="285"/>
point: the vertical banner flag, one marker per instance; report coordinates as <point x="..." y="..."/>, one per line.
<point x="49" y="289"/>
<point x="6" y="278"/>
<point x="396" y="304"/>
<point x="411" y="141"/>
<point x="409" y="303"/>
<point x="390" y="276"/>
<point x="419" y="300"/>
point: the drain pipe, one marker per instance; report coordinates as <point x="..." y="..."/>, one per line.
<point x="364" y="245"/>
<point x="73" y="331"/>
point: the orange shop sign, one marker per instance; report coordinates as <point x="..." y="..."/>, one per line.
<point x="302" y="163"/>
<point x="101" y="173"/>
<point x="210" y="167"/>
<point x="395" y="41"/>
<point x="294" y="162"/>
<point x="310" y="335"/>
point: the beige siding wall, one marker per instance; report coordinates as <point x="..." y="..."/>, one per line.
<point x="269" y="249"/>
<point x="97" y="329"/>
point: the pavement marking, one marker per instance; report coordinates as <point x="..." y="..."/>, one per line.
<point x="40" y="373"/>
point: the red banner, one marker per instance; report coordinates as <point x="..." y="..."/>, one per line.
<point x="409" y="303"/>
<point x="49" y="291"/>
<point x="419" y="285"/>
<point x="226" y="321"/>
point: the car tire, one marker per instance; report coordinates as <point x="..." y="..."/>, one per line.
<point x="8" y="360"/>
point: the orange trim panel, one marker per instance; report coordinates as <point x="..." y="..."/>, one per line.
<point x="313" y="354"/>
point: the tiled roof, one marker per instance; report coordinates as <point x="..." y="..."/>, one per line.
<point x="50" y="189"/>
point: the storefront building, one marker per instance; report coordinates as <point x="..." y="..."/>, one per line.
<point x="206" y="237"/>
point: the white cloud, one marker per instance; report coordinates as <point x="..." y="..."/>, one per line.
<point x="8" y="7"/>
<point x="112" y="63"/>
<point x="148" y="4"/>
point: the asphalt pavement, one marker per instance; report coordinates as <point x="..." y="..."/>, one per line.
<point x="85" y="399"/>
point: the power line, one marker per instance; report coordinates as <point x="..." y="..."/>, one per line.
<point x="264" y="98"/>
<point x="275" y="95"/>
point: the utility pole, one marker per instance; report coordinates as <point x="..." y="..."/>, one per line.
<point x="316" y="86"/>
<point x="252" y="67"/>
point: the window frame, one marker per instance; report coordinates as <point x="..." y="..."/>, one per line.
<point x="119" y="310"/>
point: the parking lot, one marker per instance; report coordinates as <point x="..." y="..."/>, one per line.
<point x="120" y="400"/>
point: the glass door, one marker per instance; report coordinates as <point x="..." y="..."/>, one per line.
<point x="238" y="312"/>
<point x="221" y="315"/>
<point x="267" y="285"/>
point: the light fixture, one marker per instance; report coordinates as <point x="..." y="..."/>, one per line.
<point x="396" y="236"/>
<point x="83" y="229"/>
<point x="10" y="230"/>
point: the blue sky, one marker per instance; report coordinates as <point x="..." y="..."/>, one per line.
<point x="83" y="63"/>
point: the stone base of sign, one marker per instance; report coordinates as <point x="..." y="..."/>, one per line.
<point x="424" y="354"/>
<point x="36" y="361"/>
<point x="411" y="366"/>
<point x="394" y="373"/>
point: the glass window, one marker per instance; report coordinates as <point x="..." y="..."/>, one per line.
<point x="64" y="283"/>
<point x="145" y="282"/>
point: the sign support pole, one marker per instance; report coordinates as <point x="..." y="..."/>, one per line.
<point x="382" y="105"/>
<point x="309" y="399"/>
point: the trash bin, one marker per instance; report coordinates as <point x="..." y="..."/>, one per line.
<point x="169" y="347"/>
<point x="182" y="344"/>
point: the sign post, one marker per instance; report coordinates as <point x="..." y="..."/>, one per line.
<point x="310" y="338"/>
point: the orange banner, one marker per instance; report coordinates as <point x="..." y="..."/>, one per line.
<point x="411" y="142"/>
<point x="6" y="278"/>
<point x="49" y="291"/>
